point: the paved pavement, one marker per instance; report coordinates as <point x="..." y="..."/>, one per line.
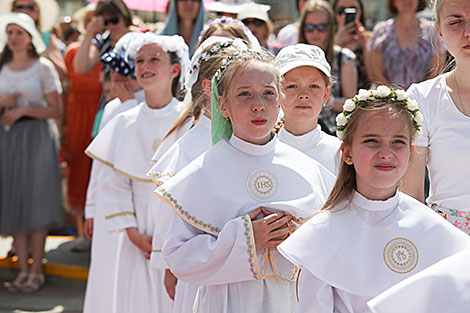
<point x="65" y="280"/>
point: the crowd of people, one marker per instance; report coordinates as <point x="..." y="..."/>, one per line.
<point x="217" y="168"/>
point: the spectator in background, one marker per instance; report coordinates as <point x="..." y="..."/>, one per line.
<point x="185" y="18"/>
<point x="81" y="106"/>
<point x="256" y="18"/>
<point x="354" y="36"/>
<point x="111" y="21"/>
<point x="317" y="25"/>
<point x="30" y="190"/>
<point x="230" y="8"/>
<point x="402" y="47"/>
<point x="289" y="34"/>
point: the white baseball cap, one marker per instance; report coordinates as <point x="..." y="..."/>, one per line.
<point x="301" y="54"/>
<point x="25" y="22"/>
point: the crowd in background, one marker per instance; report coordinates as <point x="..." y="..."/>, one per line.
<point x="52" y="109"/>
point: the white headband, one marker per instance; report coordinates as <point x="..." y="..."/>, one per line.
<point x="173" y="43"/>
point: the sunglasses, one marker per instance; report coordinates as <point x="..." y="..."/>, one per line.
<point x="310" y="28"/>
<point x="340" y="10"/>
<point x="113" y="20"/>
<point x="28" y="7"/>
<point x="255" y="22"/>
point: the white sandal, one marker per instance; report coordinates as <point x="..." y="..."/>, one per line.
<point x="33" y="283"/>
<point x="17" y="284"/>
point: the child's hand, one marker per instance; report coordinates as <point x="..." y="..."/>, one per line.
<point x="141" y="241"/>
<point x="271" y="230"/>
<point x="89" y="228"/>
<point x="170" y="283"/>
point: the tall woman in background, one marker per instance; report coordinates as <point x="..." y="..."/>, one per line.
<point x="30" y="192"/>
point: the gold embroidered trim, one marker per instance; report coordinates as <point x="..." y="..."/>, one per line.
<point x="157" y="251"/>
<point x="156" y="177"/>
<point x="91" y="155"/>
<point x="198" y="299"/>
<point x="168" y="199"/>
<point x="119" y="214"/>
<point x="300" y="220"/>
<point x="273" y="264"/>
<point x="250" y="243"/>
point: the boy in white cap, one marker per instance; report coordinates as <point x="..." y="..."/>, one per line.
<point x="306" y="85"/>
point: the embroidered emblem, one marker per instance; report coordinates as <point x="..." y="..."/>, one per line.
<point x="401" y="255"/>
<point x="262" y="185"/>
<point x="155" y="144"/>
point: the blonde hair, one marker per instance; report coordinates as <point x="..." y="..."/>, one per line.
<point x="319" y="6"/>
<point x="242" y="61"/>
<point x="233" y="28"/>
<point x="346" y="179"/>
<point x="445" y="61"/>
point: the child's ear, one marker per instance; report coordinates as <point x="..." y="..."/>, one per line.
<point x="222" y="108"/>
<point x="346" y="154"/>
<point x="175" y="70"/>
<point x="326" y="95"/>
<point x="207" y="87"/>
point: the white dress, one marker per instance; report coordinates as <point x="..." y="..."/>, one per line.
<point x="352" y="254"/>
<point x="100" y="282"/>
<point x="316" y="144"/>
<point x="126" y="144"/>
<point x="187" y="148"/>
<point x="442" y="287"/>
<point x="212" y="243"/>
<point x="445" y="134"/>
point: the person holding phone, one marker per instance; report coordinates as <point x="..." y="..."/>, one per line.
<point x="352" y="34"/>
<point x="402" y="47"/>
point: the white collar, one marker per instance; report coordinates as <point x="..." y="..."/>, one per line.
<point x="251" y="148"/>
<point x="302" y="142"/>
<point x="140" y="95"/>
<point x="161" y="112"/>
<point x="375" y="205"/>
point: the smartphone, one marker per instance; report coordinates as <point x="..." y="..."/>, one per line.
<point x="350" y="17"/>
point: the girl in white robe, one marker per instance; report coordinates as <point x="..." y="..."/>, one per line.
<point x="306" y="85"/>
<point x="369" y="236"/>
<point x="100" y="282"/>
<point x="205" y="62"/>
<point x="126" y="145"/>
<point x="442" y="287"/>
<point x="226" y="232"/>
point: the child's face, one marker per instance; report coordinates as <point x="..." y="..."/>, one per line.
<point x="305" y="93"/>
<point x="380" y="152"/>
<point x="252" y="102"/>
<point x="153" y="68"/>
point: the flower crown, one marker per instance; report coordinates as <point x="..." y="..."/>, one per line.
<point x="382" y="92"/>
<point x="221" y="20"/>
<point x="226" y="62"/>
<point x="206" y="55"/>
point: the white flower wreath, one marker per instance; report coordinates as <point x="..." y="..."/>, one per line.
<point x="382" y="92"/>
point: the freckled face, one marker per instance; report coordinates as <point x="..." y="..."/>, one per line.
<point x="252" y="102"/>
<point x="380" y="152"/>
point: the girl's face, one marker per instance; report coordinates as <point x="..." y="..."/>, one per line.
<point x="188" y="9"/>
<point x="305" y="93"/>
<point x="317" y="37"/>
<point x="17" y="38"/>
<point x="153" y="68"/>
<point x="454" y="28"/>
<point x="252" y="102"/>
<point x="380" y="152"/>
<point x="343" y="4"/>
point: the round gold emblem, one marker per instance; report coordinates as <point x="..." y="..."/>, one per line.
<point x="401" y="255"/>
<point x="155" y="144"/>
<point x="262" y="185"/>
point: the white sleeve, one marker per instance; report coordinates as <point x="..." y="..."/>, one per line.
<point x="90" y="203"/>
<point x="315" y="296"/>
<point x="50" y="81"/>
<point x="117" y="201"/>
<point x="204" y="259"/>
